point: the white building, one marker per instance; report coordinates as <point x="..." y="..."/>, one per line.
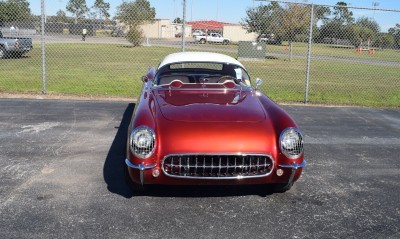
<point x="163" y="28"/>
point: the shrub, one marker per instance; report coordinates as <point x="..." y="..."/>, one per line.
<point x="135" y="36"/>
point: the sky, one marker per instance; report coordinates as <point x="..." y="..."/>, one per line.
<point x="232" y="11"/>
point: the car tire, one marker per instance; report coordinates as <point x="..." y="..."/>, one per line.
<point x="226" y="42"/>
<point x="282" y="187"/>
<point x="2" y="52"/>
<point x="202" y="41"/>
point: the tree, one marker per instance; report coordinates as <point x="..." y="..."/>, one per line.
<point x="102" y="8"/>
<point x="61" y="16"/>
<point x="295" y="19"/>
<point x="357" y="34"/>
<point x="332" y="29"/>
<point x="369" y="23"/>
<point x="395" y="32"/>
<point x="178" y="20"/>
<point x="321" y="13"/>
<point x="15" y="10"/>
<point x="78" y="8"/>
<point x="339" y="27"/>
<point x="263" y="19"/>
<point x="342" y="13"/>
<point x="133" y="14"/>
<point x="284" y="23"/>
<point x="384" y="40"/>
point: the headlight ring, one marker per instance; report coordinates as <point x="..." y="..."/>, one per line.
<point x="291" y="143"/>
<point x="142" y="141"/>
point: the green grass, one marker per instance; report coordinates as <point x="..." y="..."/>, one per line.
<point x="324" y="50"/>
<point x="115" y="70"/>
<point x="328" y="50"/>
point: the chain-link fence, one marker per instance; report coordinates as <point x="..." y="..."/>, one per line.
<point x="303" y="52"/>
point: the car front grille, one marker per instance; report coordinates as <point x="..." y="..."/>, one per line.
<point x="217" y="166"/>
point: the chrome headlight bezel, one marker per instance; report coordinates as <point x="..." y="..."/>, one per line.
<point x="291" y="143"/>
<point x="139" y="148"/>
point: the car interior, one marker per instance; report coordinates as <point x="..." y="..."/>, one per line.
<point x="167" y="75"/>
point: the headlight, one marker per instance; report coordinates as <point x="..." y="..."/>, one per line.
<point x="142" y="141"/>
<point x="291" y="143"/>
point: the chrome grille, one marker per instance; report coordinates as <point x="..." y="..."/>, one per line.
<point x="217" y="166"/>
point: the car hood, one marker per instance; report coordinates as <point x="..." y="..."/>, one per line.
<point x="209" y="106"/>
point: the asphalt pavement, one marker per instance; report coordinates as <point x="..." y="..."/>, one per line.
<point x="61" y="176"/>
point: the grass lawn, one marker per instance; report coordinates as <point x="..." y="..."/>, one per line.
<point x="115" y="70"/>
<point x="328" y="50"/>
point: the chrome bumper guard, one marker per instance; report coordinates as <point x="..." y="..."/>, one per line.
<point x="141" y="168"/>
<point x="294" y="167"/>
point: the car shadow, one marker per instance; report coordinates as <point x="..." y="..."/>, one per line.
<point x="114" y="166"/>
<point x="115" y="177"/>
<point x="199" y="191"/>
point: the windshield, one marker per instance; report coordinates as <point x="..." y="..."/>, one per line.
<point x="202" y="73"/>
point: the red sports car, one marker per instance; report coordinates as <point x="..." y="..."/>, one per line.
<point x="200" y="121"/>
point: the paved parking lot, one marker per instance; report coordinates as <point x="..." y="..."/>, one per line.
<point x="61" y="176"/>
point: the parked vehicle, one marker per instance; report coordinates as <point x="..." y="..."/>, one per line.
<point x="269" y="39"/>
<point x="14" y="46"/>
<point x="200" y="121"/>
<point x="198" y="33"/>
<point x="212" y="38"/>
<point x="118" y="32"/>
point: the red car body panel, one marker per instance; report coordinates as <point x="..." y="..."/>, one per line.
<point x="211" y="121"/>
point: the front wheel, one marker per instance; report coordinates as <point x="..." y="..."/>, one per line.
<point x="226" y="42"/>
<point x="202" y="41"/>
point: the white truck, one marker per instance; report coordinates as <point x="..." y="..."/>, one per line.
<point x="14" y="46"/>
<point x="212" y="38"/>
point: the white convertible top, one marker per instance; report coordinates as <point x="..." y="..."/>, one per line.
<point x="182" y="57"/>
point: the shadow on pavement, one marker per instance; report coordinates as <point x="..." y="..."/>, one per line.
<point x="207" y="191"/>
<point x="114" y="165"/>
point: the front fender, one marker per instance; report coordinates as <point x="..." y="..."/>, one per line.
<point x="281" y="120"/>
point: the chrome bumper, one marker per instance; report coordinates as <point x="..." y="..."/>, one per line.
<point x="294" y="167"/>
<point x="141" y="168"/>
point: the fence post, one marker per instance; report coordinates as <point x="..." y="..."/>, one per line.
<point x="183" y="25"/>
<point x="43" y="48"/>
<point x="309" y="54"/>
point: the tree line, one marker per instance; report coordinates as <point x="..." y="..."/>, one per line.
<point x="337" y="25"/>
<point x="288" y="22"/>
<point x="132" y="14"/>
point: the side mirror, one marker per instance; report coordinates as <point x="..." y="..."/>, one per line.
<point x="150" y="75"/>
<point x="258" y="83"/>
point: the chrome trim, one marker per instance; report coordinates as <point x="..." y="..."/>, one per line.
<point x="216" y="166"/>
<point x="141" y="168"/>
<point x="293" y="167"/>
<point x="280" y="143"/>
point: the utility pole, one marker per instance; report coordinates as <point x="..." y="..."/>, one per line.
<point x="183" y="25"/>
<point x="374" y="4"/>
<point x="43" y="18"/>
